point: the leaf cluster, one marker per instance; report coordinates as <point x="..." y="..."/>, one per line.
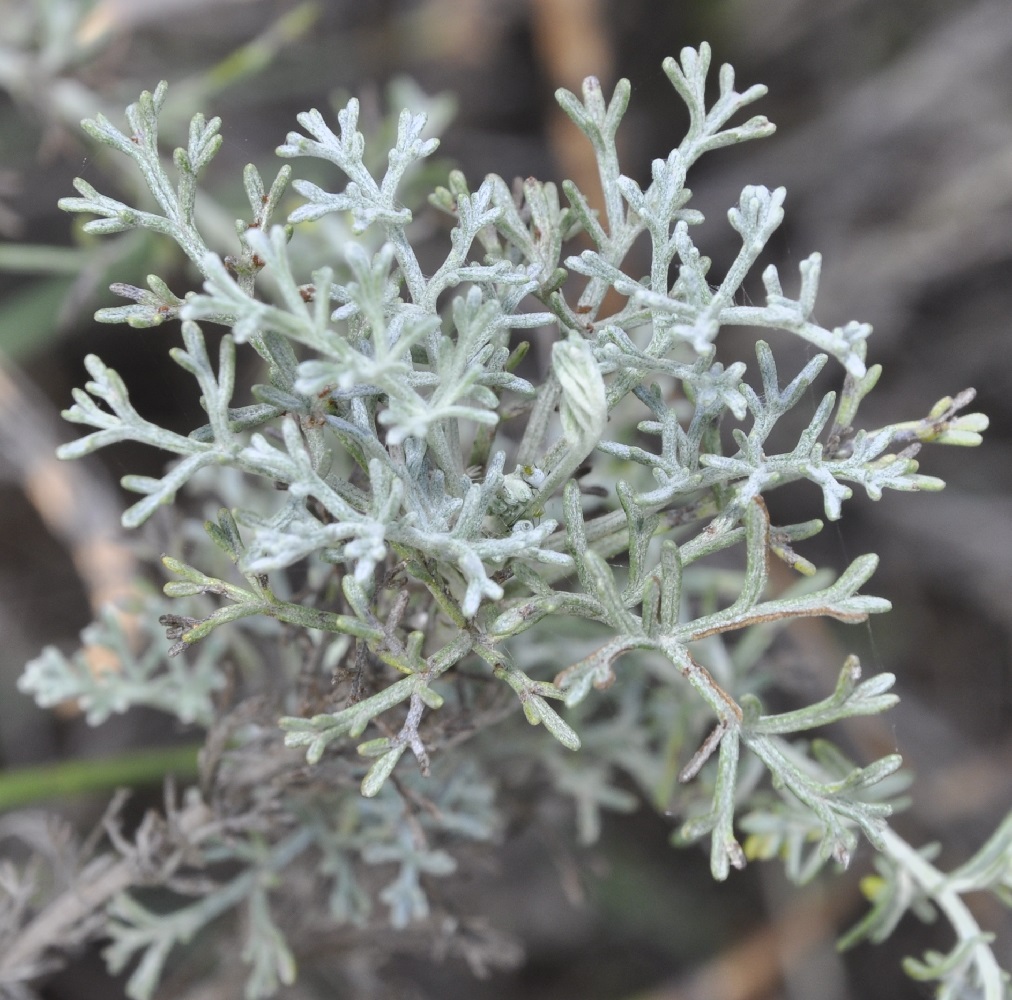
<point x="385" y="544"/>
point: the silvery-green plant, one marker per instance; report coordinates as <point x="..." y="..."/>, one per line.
<point x="411" y="533"/>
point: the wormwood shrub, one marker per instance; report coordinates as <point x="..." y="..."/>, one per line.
<point x="408" y="540"/>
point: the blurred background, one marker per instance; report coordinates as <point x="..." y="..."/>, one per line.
<point x="894" y="142"/>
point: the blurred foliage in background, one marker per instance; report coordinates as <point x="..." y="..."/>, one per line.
<point x="895" y="146"/>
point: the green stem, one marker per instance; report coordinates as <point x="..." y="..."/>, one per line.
<point x="315" y="618"/>
<point x="36" y="782"/>
<point x="25" y="258"/>
<point x="935" y="885"/>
